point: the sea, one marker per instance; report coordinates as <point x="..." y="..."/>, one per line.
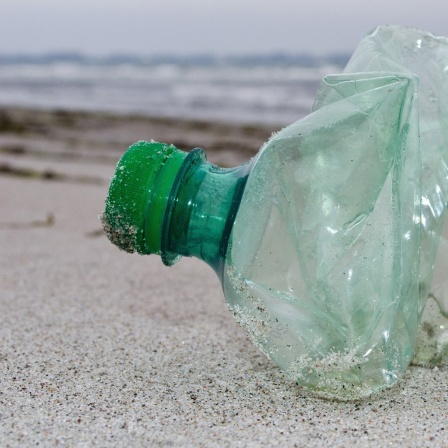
<point x="259" y="89"/>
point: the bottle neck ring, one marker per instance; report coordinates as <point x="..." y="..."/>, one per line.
<point x="201" y="209"/>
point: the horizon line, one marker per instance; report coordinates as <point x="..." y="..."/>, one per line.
<point x="279" y="57"/>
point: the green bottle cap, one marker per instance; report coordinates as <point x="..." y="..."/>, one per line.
<point x="138" y="196"/>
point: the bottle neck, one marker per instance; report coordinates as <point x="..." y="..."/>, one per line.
<point x="201" y="209"/>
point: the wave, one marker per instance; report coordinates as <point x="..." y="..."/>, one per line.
<point x="274" y="88"/>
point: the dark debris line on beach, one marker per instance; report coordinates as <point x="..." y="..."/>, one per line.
<point x="7" y="169"/>
<point x="100" y="139"/>
<point x="244" y="137"/>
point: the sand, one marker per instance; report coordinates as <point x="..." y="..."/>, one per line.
<point x="103" y="348"/>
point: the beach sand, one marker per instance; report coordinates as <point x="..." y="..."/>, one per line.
<point x="102" y="348"/>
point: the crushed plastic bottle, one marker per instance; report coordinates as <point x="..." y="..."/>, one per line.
<point x="325" y="242"/>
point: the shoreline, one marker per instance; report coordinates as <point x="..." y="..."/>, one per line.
<point x="112" y="130"/>
<point x="81" y="146"/>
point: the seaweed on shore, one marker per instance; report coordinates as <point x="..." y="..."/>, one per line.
<point x="9" y="170"/>
<point x="8" y="124"/>
<point x="48" y="222"/>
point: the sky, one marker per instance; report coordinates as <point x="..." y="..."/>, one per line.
<point x="191" y="27"/>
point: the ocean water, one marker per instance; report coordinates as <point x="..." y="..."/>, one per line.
<point x="241" y="90"/>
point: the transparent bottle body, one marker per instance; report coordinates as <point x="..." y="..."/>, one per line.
<point x="331" y="254"/>
<point x="416" y="53"/>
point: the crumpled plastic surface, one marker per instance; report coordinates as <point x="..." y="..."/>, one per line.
<point x="331" y="257"/>
<point x="420" y="55"/>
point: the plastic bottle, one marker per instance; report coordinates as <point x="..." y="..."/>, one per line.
<point x="325" y="242"/>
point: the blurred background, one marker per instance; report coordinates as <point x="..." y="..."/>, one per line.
<point x="100" y="348"/>
<point x="233" y="61"/>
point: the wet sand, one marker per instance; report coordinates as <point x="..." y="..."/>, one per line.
<point x="104" y="348"/>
